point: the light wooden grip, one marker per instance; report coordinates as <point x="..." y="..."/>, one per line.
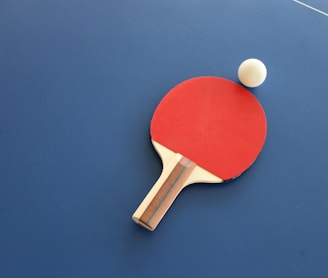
<point x="163" y="193"/>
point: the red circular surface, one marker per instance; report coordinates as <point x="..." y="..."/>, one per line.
<point x="215" y="122"/>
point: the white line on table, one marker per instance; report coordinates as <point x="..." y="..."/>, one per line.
<point x="310" y="7"/>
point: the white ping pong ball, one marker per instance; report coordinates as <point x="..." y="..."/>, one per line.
<point x="252" y="73"/>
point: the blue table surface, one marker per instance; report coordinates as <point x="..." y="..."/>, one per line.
<point x="79" y="81"/>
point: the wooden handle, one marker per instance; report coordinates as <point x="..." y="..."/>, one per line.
<point x="163" y="193"/>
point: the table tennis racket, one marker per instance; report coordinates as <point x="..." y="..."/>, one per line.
<point x="206" y="129"/>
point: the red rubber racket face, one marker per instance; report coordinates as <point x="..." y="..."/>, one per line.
<point x="214" y="122"/>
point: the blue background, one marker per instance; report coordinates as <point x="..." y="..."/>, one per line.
<point x="79" y="81"/>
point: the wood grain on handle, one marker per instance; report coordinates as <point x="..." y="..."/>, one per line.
<point x="166" y="189"/>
